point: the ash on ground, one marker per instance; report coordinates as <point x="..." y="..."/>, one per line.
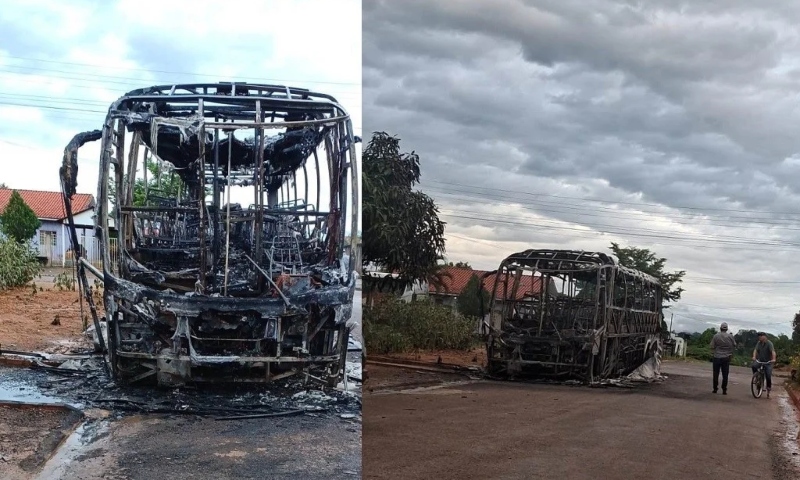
<point x="83" y="383"/>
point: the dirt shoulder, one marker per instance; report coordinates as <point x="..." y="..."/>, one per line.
<point x="675" y="429"/>
<point x="26" y="321"/>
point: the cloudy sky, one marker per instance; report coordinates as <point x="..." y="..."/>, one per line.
<point x="575" y="123"/>
<point x="63" y="63"/>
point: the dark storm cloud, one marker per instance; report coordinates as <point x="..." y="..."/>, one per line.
<point x="658" y="105"/>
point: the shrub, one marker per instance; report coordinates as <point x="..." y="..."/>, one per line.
<point x="18" y="221"/>
<point x="18" y="264"/>
<point x="395" y="327"/>
<point x="65" y="281"/>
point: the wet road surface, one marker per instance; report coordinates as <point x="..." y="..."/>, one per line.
<point x="674" y="429"/>
<point x="156" y="446"/>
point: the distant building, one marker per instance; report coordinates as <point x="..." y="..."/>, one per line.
<point x="51" y="240"/>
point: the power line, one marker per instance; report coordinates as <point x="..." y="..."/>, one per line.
<point x="646" y="216"/>
<point x="86" y="111"/>
<point x="732" y="241"/>
<point x="739" y="307"/>
<point x="134" y="83"/>
<point x="321" y="82"/>
<point x="613" y="202"/>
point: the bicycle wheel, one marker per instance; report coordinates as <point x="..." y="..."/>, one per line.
<point x="757" y="385"/>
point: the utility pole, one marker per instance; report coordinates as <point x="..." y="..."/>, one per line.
<point x="671" y="316"/>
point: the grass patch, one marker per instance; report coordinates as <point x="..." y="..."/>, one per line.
<point x="393" y="326"/>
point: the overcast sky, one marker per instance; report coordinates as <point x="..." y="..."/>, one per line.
<point x="63" y="63"/>
<point x="575" y="123"/>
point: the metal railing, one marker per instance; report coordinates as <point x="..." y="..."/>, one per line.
<point x="91" y="251"/>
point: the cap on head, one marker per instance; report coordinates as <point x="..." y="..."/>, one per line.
<point x="724" y="326"/>
<point x="762" y="334"/>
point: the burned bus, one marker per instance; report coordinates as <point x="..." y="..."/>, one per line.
<point x="222" y="215"/>
<point x="563" y="314"/>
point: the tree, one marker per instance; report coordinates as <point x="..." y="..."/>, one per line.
<point x="3" y="186"/>
<point x="706" y="336"/>
<point x="161" y="180"/>
<point x="468" y="302"/>
<point x="746" y="340"/>
<point x="796" y="329"/>
<point x="436" y="277"/>
<point x="402" y="231"/>
<point x="646" y="261"/>
<point x="460" y="265"/>
<point x="18" y="221"/>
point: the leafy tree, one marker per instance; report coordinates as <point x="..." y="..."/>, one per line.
<point x="402" y="230"/>
<point x="746" y="340"/>
<point x="161" y="181"/>
<point x="468" y="303"/>
<point x="784" y="348"/>
<point x="796" y="329"/>
<point x="460" y="265"/>
<point x="3" y="186"/>
<point x="436" y="277"/>
<point x="18" y="221"/>
<point x="646" y="261"/>
<point x="706" y="336"/>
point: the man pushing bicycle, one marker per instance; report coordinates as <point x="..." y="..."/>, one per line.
<point x="764" y="353"/>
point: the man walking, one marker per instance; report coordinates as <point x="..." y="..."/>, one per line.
<point x="722" y="344"/>
<point x="764" y="352"/>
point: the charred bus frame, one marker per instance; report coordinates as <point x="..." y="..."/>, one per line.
<point x="206" y="289"/>
<point x="589" y="319"/>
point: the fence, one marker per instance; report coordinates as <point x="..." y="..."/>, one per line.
<point x="91" y="251"/>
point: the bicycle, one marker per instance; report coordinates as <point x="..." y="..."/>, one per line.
<point x="759" y="380"/>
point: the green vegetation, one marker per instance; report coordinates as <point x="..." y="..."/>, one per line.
<point x="18" y="264"/>
<point x="648" y="262"/>
<point x="697" y="346"/>
<point x="394" y="326"/>
<point x="402" y="231"/>
<point x="18" y="222"/>
<point x="162" y="181"/>
<point x="469" y="303"/>
<point x="65" y="281"/>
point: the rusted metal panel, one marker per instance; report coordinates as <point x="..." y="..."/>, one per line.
<point x="588" y="318"/>
<point x="206" y="289"/>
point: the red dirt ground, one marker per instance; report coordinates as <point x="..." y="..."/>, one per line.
<point x="383" y="377"/>
<point x="26" y="321"/>
<point x="468" y="358"/>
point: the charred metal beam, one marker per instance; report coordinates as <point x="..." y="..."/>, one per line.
<point x="277" y="301"/>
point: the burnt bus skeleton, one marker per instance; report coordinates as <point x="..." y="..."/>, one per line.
<point x="586" y="318"/>
<point x="205" y="289"/>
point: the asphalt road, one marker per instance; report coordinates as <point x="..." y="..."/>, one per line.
<point x="187" y="447"/>
<point x="494" y="430"/>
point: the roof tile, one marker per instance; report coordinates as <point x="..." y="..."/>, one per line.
<point x="459" y="277"/>
<point x="48" y="205"/>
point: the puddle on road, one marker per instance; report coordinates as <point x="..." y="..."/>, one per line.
<point x="16" y="386"/>
<point x="73" y="447"/>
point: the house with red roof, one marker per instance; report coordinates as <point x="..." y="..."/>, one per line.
<point x="453" y="281"/>
<point x="51" y="240"/>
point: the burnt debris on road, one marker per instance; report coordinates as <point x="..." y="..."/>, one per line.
<point x="199" y="288"/>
